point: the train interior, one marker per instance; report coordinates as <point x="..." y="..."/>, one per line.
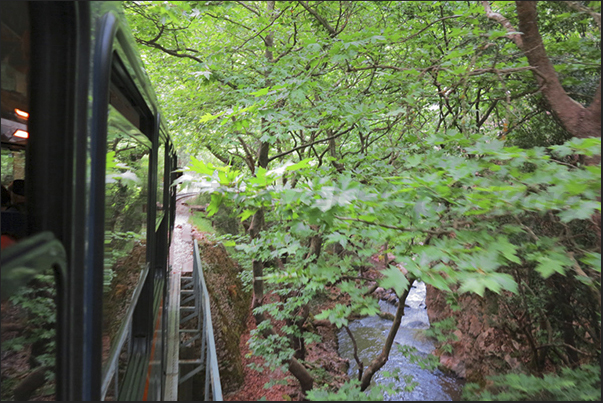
<point x="15" y="107"/>
<point x="15" y="48"/>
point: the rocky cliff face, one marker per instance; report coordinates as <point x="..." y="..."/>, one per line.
<point x="483" y="347"/>
<point x="229" y="306"/>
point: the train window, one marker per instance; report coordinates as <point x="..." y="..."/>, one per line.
<point x="29" y="314"/>
<point x="126" y="190"/>
<point x="13" y="164"/>
<point x="15" y="100"/>
<point x="160" y="183"/>
<point x="119" y="101"/>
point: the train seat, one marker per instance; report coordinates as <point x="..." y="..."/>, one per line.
<point x="14" y="224"/>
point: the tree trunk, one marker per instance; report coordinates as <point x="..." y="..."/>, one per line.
<point x="300" y="372"/>
<point x="257" y="224"/>
<point x="377" y="363"/>
<point x="578" y="120"/>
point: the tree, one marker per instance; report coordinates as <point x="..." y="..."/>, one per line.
<point x="579" y="120"/>
<point x="336" y="130"/>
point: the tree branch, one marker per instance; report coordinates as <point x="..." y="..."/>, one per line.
<point x="323" y="22"/>
<point x="176" y="53"/>
<point x="249" y="157"/>
<point x="356" y="358"/>
<point x="429" y="25"/>
<point x="242" y="3"/>
<point x="263" y="29"/>
<point x="579" y="121"/>
<point x="381" y="359"/>
<point x="217" y="17"/>
<point x="512" y="32"/>
<point x="404" y="229"/>
<point x="216" y="154"/>
<point x="570" y="113"/>
<point x="310" y="144"/>
<point x="583" y="9"/>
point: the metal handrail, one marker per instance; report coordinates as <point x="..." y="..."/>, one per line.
<point x="208" y="343"/>
<point x="196" y="290"/>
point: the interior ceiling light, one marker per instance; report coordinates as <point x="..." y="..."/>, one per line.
<point x="21" y="134"/>
<point x="21" y="114"/>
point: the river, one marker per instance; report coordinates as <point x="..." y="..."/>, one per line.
<point x="370" y="334"/>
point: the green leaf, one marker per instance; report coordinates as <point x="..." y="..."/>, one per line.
<point x="436" y="280"/>
<point x="472" y="284"/>
<point x="201" y="167"/>
<point x="313" y="47"/>
<point x="593" y="259"/>
<point x="368" y="218"/>
<point x="581" y="211"/>
<point x="497" y="34"/>
<point x="505" y="282"/>
<point x="337" y="237"/>
<point x="214" y="205"/>
<point x="394" y="278"/>
<point x="260" y="92"/>
<point x="301" y="164"/>
<point x="246" y="214"/>
<point x="550" y="263"/>
<point x="338" y="315"/>
<point x="413" y="160"/>
<point x="111" y="163"/>
<point x="208" y="117"/>
<point x="507" y="249"/>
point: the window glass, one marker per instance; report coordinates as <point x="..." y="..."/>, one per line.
<point x="29" y="315"/>
<point x="13" y="164"/>
<point x="15" y="101"/>
<point x="126" y="190"/>
<point x="160" y="183"/>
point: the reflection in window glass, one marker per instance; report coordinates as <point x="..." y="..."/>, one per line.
<point x="126" y="191"/>
<point x="160" y="183"/>
<point x="15" y="102"/>
<point x="13" y="165"/>
<point x="29" y="315"/>
<point x="28" y="341"/>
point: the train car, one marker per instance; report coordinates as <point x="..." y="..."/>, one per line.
<point x="87" y="162"/>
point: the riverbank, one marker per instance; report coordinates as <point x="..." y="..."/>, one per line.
<point x="322" y="358"/>
<point x="248" y="384"/>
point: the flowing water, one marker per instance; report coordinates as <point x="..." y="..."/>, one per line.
<point x="370" y="334"/>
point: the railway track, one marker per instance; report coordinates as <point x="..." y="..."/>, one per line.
<point x="181" y="196"/>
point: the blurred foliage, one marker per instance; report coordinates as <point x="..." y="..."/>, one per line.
<point x="36" y="302"/>
<point x="339" y="129"/>
<point x="571" y="384"/>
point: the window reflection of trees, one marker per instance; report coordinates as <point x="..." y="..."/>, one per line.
<point x="126" y="188"/>
<point x="160" y="180"/>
